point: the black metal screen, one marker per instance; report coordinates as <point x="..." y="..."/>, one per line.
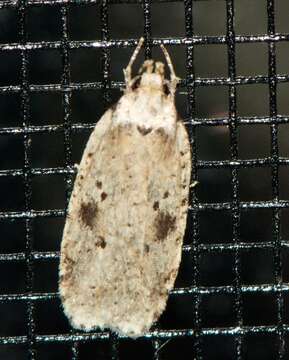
<point x="60" y="67"/>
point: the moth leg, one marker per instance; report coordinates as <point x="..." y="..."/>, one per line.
<point x="127" y="70"/>
<point x="173" y="77"/>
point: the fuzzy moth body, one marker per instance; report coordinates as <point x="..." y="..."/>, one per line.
<point x="122" y="240"/>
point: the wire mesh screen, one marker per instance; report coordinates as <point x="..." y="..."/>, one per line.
<point x="61" y="68"/>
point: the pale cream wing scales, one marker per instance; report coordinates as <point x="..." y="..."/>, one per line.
<point x="129" y="210"/>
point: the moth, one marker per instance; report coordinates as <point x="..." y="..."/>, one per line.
<point x="123" y="235"/>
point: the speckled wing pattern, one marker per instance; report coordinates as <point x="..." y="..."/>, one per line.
<point x="122" y="240"/>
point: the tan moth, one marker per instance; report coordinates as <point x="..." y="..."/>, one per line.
<point x="122" y="240"/>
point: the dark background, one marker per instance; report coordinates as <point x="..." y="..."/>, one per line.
<point x="234" y="283"/>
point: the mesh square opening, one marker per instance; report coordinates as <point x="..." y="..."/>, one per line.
<point x="256" y="23"/>
<point x="211" y="101"/>
<point x="281" y="18"/>
<point x="283" y="182"/>
<point x="258" y="107"/>
<point x="47" y="150"/>
<point x="255" y="184"/>
<point x="216" y="268"/>
<point x="125" y="19"/>
<point x="138" y="349"/>
<point x="257" y="267"/>
<point x="13" y="318"/>
<point x="55" y="351"/>
<point x="284" y="217"/>
<point x="15" y="283"/>
<point x="10" y="68"/>
<point x="213" y="143"/>
<point x="282" y="53"/>
<point x="48" y="233"/>
<point x="46" y="276"/>
<point x="44" y="23"/>
<point x="211" y="60"/>
<point x="9" y="26"/>
<point x="285" y="264"/>
<point x="256" y="225"/>
<point x="13" y="236"/>
<point x="50" y="318"/>
<point x="175" y="20"/>
<point x="209" y="17"/>
<point x="218" y="310"/>
<point x="282" y="99"/>
<point x="14" y="352"/>
<point x="46" y="108"/>
<point x="48" y="192"/>
<point x="11" y="194"/>
<point x="219" y="347"/>
<point x="252" y="59"/>
<point x="283" y="140"/>
<point x="10" y="110"/>
<point x="254" y="141"/>
<point x="12" y="150"/>
<point x="260" y="346"/>
<point x="215" y="227"/>
<point x="85" y="65"/>
<point x="214" y="185"/>
<point x="84" y="22"/>
<point x="45" y="66"/>
<point x="171" y="349"/>
<point x="259" y="309"/>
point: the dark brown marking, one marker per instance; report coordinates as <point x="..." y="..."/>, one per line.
<point x="81" y="177"/>
<point x="166" y="89"/>
<point x="144" y="131"/>
<point x="161" y="131"/>
<point x="184" y="201"/>
<point x="99" y="184"/>
<point x="147" y="248"/>
<point x="103" y="196"/>
<point x="182" y="153"/>
<point x="89" y="154"/>
<point x="88" y="213"/>
<point x="164" y="224"/>
<point x="101" y="242"/>
<point x="166" y="194"/>
<point x="156" y="205"/>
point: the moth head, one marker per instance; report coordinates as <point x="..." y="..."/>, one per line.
<point x="151" y="75"/>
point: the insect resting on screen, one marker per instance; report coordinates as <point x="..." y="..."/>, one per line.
<point x="122" y="240"/>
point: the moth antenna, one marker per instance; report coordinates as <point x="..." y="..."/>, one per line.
<point x="173" y="77"/>
<point x="127" y="70"/>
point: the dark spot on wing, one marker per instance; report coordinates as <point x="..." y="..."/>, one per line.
<point x="99" y="184"/>
<point x="164" y="224"/>
<point x="184" y="201"/>
<point x="103" y="196"/>
<point x="166" y="194"/>
<point x="161" y="131"/>
<point x="88" y="213"/>
<point x="90" y="154"/>
<point x="166" y="89"/>
<point x="101" y="242"/>
<point x="156" y="205"/>
<point x="147" y="248"/>
<point x="143" y="130"/>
